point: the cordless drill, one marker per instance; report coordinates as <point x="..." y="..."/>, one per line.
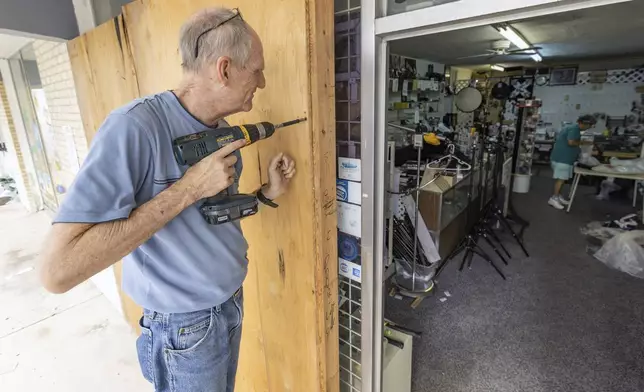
<point x="190" y="149"/>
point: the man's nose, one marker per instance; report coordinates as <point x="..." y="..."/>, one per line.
<point x="262" y="81"/>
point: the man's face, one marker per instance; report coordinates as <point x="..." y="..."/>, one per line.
<point x="244" y="81"/>
<point x="584" y="126"/>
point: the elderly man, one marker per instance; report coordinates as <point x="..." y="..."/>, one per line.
<point x="563" y="157"/>
<point x="132" y="200"/>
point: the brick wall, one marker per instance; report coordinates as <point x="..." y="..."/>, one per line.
<point x="14" y="160"/>
<point x="70" y="145"/>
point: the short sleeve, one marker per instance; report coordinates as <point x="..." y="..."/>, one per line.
<point x="574" y="133"/>
<point x="114" y="170"/>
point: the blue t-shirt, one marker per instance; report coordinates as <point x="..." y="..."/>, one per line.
<point x="189" y="264"/>
<point x="562" y="152"/>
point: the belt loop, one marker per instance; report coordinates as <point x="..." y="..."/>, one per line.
<point x="165" y="317"/>
<point x="217" y="309"/>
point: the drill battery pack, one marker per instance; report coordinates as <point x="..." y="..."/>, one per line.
<point x="228" y="208"/>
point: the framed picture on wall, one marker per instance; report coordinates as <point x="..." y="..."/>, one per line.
<point x="563" y="76"/>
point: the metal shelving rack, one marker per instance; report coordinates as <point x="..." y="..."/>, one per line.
<point x="529" y="119"/>
<point x="348" y="133"/>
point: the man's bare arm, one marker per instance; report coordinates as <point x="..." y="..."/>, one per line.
<point x="574" y="143"/>
<point x="74" y="252"/>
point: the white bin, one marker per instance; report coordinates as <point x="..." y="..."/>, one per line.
<point x="521" y="183"/>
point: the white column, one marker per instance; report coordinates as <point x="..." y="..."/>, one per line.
<point x="84" y="10"/>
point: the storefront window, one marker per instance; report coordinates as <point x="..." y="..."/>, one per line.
<point x="35" y="115"/>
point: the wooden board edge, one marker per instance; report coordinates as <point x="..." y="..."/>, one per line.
<point x="131" y="310"/>
<point x="76" y="49"/>
<point x="322" y="110"/>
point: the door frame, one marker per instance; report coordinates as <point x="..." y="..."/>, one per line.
<point x="377" y="30"/>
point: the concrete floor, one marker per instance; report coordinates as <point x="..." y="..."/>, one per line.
<point x="48" y="342"/>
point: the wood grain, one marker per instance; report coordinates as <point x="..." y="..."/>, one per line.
<point x="290" y="335"/>
<point x="322" y="109"/>
<point x="105" y="79"/>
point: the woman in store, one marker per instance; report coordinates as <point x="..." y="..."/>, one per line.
<point x="564" y="154"/>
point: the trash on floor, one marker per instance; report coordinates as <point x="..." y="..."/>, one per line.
<point x="627" y="222"/>
<point x="617" y="243"/>
<point x="607" y="186"/>
<point x="624" y="252"/>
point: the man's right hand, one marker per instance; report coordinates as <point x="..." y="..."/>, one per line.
<point x="214" y="173"/>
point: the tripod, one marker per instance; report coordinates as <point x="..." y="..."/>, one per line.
<point x="493" y="212"/>
<point x="469" y="245"/>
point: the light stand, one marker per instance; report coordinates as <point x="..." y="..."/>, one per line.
<point x="469" y="244"/>
<point x="493" y="212"/>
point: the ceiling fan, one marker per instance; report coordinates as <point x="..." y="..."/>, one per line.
<point x="502" y="48"/>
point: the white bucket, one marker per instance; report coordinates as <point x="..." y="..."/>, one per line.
<point x="521" y="183"/>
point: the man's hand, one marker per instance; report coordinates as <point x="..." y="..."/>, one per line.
<point x="214" y="173"/>
<point x="280" y="171"/>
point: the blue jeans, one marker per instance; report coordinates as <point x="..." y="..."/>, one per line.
<point x="192" y="352"/>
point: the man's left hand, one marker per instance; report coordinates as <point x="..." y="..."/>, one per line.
<point x="280" y="171"/>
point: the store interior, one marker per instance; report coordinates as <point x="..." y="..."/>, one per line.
<point x="500" y="290"/>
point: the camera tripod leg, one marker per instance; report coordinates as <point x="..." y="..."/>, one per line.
<point x="502" y="219"/>
<point x="466" y="255"/>
<point x="487" y="227"/>
<point x="487" y="258"/>
<point x="447" y="259"/>
<point x="496" y="250"/>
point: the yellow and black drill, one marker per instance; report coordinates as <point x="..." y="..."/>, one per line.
<point x="190" y="149"/>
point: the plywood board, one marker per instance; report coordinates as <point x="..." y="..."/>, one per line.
<point x="104" y="73"/>
<point x="290" y="340"/>
<point x="105" y="79"/>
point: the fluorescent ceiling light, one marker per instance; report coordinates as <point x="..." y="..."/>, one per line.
<point x="495" y="67"/>
<point x="511" y="35"/>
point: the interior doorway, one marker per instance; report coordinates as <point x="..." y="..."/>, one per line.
<point x="493" y="315"/>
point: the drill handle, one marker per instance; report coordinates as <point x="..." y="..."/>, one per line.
<point x="218" y="196"/>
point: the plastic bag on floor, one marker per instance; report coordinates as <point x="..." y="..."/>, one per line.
<point x="624" y="252"/>
<point x="607" y="186"/>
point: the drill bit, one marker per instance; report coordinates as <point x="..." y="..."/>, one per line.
<point x="287" y="123"/>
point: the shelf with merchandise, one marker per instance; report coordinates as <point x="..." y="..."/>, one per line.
<point x="530" y="118"/>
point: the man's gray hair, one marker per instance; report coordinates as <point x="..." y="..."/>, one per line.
<point x="232" y="39"/>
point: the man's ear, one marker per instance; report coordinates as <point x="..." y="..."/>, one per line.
<point x="223" y="69"/>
